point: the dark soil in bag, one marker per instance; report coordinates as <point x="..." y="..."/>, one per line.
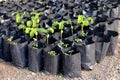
<point x="35" y="56"/>
<point x="51" y="63"/>
<point x="101" y="47"/>
<point x="18" y="49"/>
<point x="99" y="29"/>
<point x="71" y="64"/>
<point x="113" y="42"/>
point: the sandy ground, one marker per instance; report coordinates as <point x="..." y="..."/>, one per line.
<point x="108" y="69"/>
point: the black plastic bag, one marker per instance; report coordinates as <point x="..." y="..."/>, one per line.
<point x="87" y="51"/>
<point x="71" y="64"/>
<point x="51" y="63"/>
<point x="113" y="42"/>
<point x="35" y="57"/>
<point x="6" y="49"/>
<point x="18" y="49"/>
<point x="101" y="47"/>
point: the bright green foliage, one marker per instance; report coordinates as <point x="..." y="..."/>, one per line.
<point x="62" y="44"/>
<point x="69" y="52"/>
<point x="29" y="23"/>
<point x="77" y="40"/>
<point x="47" y="31"/>
<point x="55" y="24"/>
<point x="10" y="38"/>
<point x="84" y="21"/>
<point x="80" y="19"/>
<point x="19" y="16"/>
<point x="52" y="53"/>
<point x="91" y="20"/>
<point x="21" y="26"/>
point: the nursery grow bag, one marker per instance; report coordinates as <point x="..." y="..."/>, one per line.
<point x="51" y="63"/>
<point x="35" y="57"/>
<point x="6" y="48"/>
<point x="18" y="49"/>
<point x="114" y="13"/>
<point x="101" y="47"/>
<point x="87" y="51"/>
<point x="113" y="42"/>
<point x="71" y="64"/>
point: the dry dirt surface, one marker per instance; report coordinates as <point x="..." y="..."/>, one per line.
<point x="108" y="69"/>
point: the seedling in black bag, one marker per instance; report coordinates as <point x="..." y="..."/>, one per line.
<point x="84" y="21"/>
<point x="61" y="26"/>
<point x="10" y="38"/>
<point x="70" y="52"/>
<point x="78" y="40"/>
<point x="19" y="16"/>
<point x="62" y="44"/>
<point x="47" y="32"/>
<point x="52" y="53"/>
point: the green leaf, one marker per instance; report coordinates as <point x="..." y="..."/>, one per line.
<point x="21" y="26"/>
<point x="55" y="24"/>
<point x="50" y="30"/>
<point x="14" y="13"/>
<point x="27" y="30"/>
<point x="42" y="30"/>
<point x="61" y="25"/>
<point x="52" y="53"/>
<point x="29" y="23"/>
<point x="10" y="38"/>
<point x="78" y="40"/>
<point x="61" y="43"/>
<point x="91" y="20"/>
<point x="34" y="23"/>
<point x="80" y="19"/>
<point x="32" y="13"/>
<point x="18" y="19"/>
<point x="69" y="22"/>
<point x="85" y="23"/>
<point x="33" y="32"/>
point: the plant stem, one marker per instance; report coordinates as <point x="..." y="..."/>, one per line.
<point x="47" y="36"/>
<point x="82" y="31"/>
<point x="36" y="37"/>
<point x="61" y="32"/>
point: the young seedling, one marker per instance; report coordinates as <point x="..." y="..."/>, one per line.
<point x="36" y="16"/>
<point x="84" y="21"/>
<point x="47" y="32"/>
<point x="78" y="40"/>
<point x="19" y="16"/>
<point x="61" y="26"/>
<point x="35" y="45"/>
<point x="62" y="44"/>
<point x="10" y="38"/>
<point x="52" y="53"/>
<point x="70" y="52"/>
